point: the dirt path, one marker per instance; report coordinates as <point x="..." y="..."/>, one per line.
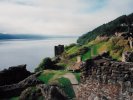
<point x="73" y="81"/>
<point x="72" y="78"/>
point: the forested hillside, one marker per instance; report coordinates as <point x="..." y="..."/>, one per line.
<point x="119" y="24"/>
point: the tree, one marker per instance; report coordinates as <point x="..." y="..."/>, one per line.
<point x="45" y="64"/>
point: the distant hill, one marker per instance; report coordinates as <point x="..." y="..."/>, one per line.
<point x="21" y="36"/>
<point x="31" y="36"/>
<point x="108" y="29"/>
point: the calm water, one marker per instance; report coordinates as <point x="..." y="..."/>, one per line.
<point x="30" y="52"/>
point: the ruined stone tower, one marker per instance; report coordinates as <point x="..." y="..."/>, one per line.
<point x="59" y="50"/>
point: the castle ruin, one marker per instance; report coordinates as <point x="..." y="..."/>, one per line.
<point x="59" y="50"/>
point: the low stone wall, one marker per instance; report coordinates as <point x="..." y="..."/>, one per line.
<point x="103" y="78"/>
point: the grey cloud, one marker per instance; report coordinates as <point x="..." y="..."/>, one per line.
<point x="58" y="17"/>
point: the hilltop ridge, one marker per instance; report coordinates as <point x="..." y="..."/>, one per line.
<point x="120" y="24"/>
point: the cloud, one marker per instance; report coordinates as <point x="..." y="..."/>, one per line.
<point x="59" y="17"/>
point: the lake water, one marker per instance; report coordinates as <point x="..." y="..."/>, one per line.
<point x="30" y="52"/>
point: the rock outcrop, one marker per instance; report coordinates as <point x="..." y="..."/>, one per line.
<point x="31" y="94"/>
<point x="105" y="79"/>
<point x="52" y="92"/>
<point x="32" y="89"/>
<point x="127" y="57"/>
<point x="46" y="92"/>
<point x="13" y="75"/>
<point x="8" y="91"/>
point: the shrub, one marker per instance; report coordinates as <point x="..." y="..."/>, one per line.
<point x="67" y="87"/>
<point x="83" y="50"/>
<point x="45" y="64"/>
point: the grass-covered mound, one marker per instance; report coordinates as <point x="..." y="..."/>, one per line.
<point x="56" y="77"/>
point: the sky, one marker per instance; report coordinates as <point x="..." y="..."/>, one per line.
<point x="59" y="17"/>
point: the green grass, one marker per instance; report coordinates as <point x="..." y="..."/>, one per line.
<point x="95" y="50"/>
<point x="56" y="77"/>
<point x="62" y="65"/>
<point x="48" y="76"/>
<point x="67" y="87"/>
<point x="77" y="75"/>
<point x="86" y="56"/>
<point x="72" y="50"/>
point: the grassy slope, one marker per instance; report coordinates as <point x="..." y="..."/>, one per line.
<point x="56" y="77"/>
<point x="96" y="47"/>
<point x="72" y="50"/>
<point x="115" y="45"/>
<point x="67" y="87"/>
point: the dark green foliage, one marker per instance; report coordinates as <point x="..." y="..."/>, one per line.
<point x="67" y="87"/>
<point x="73" y="55"/>
<point x="107" y="29"/>
<point x="87" y="55"/>
<point x="77" y="75"/>
<point x="83" y="50"/>
<point x="45" y="78"/>
<point x="80" y="51"/>
<point x="45" y="64"/>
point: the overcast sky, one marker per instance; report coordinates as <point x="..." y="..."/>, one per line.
<point x="59" y="17"/>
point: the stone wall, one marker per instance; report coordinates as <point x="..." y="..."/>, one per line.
<point x="105" y="79"/>
<point x="59" y="50"/>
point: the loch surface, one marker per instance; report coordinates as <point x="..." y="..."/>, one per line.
<point x="30" y="52"/>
